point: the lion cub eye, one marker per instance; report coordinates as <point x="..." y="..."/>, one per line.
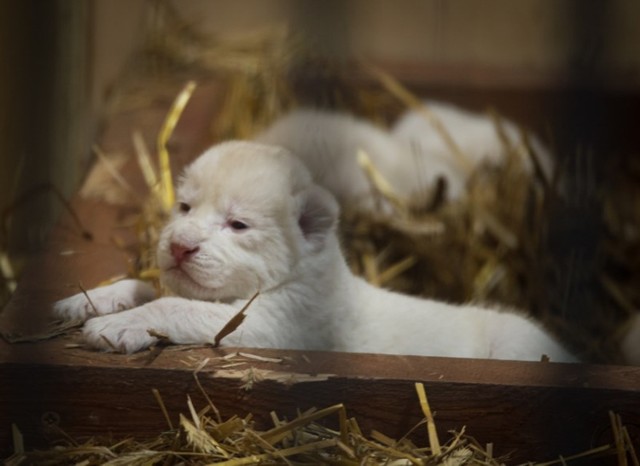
<point x="184" y="207"/>
<point x="237" y="225"/>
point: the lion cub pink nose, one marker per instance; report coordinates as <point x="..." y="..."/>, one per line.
<point x="180" y="252"/>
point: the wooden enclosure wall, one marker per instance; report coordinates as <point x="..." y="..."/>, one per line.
<point x="45" y="120"/>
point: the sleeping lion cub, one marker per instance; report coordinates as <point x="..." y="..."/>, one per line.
<point x="249" y="218"/>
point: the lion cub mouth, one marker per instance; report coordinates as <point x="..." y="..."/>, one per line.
<point x="178" y="273"/>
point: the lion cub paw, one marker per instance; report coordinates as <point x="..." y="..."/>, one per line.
<point x="126" y="332"/>
<point x="119" y="296"/>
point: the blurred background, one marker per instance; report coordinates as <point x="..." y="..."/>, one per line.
<point x="564" y="68"/>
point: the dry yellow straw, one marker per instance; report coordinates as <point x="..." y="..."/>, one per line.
<point x="431" y="425"/>
<point x="18" y="440"/>
<point x="166" y="182"/>
<point x="158" y="398"/>
<point x="7" y="271"/>
<point x="276" y="434"/>
<point x="593" y="452"/>
<point x="113" y="171"/>
<point x="234" y="322"/>
<point x="379" y="182"/>
<point x="297" y="450"/>
<point x="144" y="162"/>
<point x="397" y="269"/>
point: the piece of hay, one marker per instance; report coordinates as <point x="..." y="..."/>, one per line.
<point x="234" y="322"/>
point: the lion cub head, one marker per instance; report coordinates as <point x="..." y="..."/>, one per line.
<point x="246" y="215"/>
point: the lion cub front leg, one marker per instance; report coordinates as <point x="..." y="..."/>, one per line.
<point x="180" y="320"/>
<point x="117" y="297"/>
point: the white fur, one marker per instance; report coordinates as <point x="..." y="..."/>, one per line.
<point x="309" y="299"/>
<point x="328" y="143"/>
<point x="474" y="133"/>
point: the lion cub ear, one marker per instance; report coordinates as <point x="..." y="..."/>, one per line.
<point x="318" y="216"/>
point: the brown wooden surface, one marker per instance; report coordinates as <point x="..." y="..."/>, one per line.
<point x="538" y="410"/>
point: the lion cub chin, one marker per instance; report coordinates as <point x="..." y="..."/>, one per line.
<point x="249" y="218"/>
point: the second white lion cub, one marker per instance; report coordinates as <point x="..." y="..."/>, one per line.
<point x="249" y="218"/>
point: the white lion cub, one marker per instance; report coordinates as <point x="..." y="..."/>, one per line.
<point x="475" y="134"/>
<point x="249" y="218"/>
